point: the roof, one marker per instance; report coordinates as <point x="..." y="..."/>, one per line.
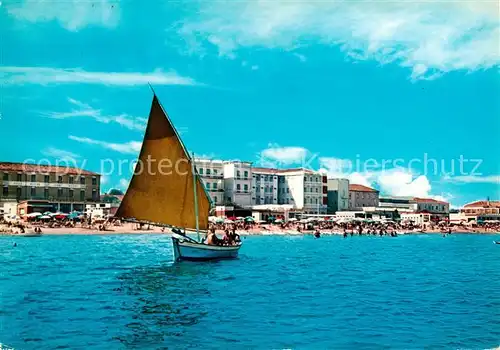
<point x="483" y="204"/>
<point x="428" y="200"/>
<point x="361" y="188"/>
<point x="36" y="168"/>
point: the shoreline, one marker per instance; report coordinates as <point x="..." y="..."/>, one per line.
<point x="87" y="232"/>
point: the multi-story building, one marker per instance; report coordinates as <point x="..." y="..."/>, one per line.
<point x="482" y="208"/>
<point x="265" y="186"/>
<point x="338" y="195"/>
<point x="405" y="204"/>
<point x="303" y="189"/>
<point x="64" y="188"/>
<point x="238" y="183"/>
<point x="362" y="196"/>
<point x="439" y="210"/>
<point x="212" y="175"/>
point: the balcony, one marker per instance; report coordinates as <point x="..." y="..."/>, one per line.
<point x="241" y="191"/>
<point x="242" y="178"/>
<point x="213" y="176"/>
<point x="215" y="189"/>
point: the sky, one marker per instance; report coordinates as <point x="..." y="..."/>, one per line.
<point x="401" y="96"/>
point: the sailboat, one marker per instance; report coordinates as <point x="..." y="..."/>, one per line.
<point x="168" y="191"/>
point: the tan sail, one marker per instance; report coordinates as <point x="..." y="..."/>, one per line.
<point x="163" y="192"/>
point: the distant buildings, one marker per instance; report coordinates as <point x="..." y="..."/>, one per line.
<point x="479" y="211"/>
<point x="338" y="195"/>
<point x="43" y="187"/>
<point x="362" y="196"/>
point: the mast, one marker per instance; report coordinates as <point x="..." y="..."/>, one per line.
<point x="195" y="198"/>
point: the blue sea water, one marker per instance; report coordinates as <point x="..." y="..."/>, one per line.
<point x="123" y="292"/>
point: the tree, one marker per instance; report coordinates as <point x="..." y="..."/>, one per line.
<point x="115" y="192"/>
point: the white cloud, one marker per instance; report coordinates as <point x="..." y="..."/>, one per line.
<point x="430" y="38"/>
<point x="48" y="76"/>
<point x="132" y="147"/>
<point x="301" y="58"/>
<point x="60" y="154"/>
<point x="85" y="110"/>
<point x="72" y="15"/>
<point x="275" y="155"/>
<point x="392" y="182"/>
<point x="494" y="179"/>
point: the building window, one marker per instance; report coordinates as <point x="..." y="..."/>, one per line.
<point x="215" y="199"/>
<point x="94" y="195"/>
<point x="71" y="179"/>
<point x="71" y="194"/>
<point x="82" y="180"/>
<point x="317" y="190"/>
<point x="238" y="173"/>
<point x="245" y="188"/>
<point x="33" y="191"/>
<point x="208" y="171"/>
<point x="245" y="174"/>
<point x="238" y="187"/>
<point x="207" y="185"/>
<point x="33" y="178"/>
<point x="82" y="195"/>
<point x="59" y="192"/>
<point x="5" y="191"/>
<point x="19" y="178"/>
<point x="46" y="178"/>
<point x="59" y="179"/>
<point x="94" y="181"/>
<point x="214" y="185"/>
<point x="18" y="192"/>
<point x="46" y="193"/>
<point x="5" y="176"/>
<point x="215" y="173"/>
<point x="201" y="171"/>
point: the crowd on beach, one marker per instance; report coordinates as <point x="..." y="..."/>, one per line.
<point x="247" y="226"/>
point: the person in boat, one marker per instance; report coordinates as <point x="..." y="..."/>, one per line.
<point x="212" y="239"/>
<point x="235" y="238"/>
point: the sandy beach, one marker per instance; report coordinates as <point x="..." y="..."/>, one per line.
<point x="130" y="228"/>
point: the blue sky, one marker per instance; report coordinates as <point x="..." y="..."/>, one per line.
<point x="318" y="84"/>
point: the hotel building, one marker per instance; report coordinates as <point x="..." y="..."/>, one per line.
<point x="362" y="196"/>
<point x="212" y="175"/>
<point x="303" y="189"/>
<point x="53" y="187"/>
<point x="338" y="195"/>
<point x="238" y="183"/>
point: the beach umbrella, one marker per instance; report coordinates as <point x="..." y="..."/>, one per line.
<point x="228" y="221"/>
<point x="34" y="214"/>
<point x="45" y="217"/>
<point x="249" y="219"/>
<point x="240" y="218"/>
<point x="279" y="221"/>
<point x="292" y="219"/>
<point x="47" y="213"/>
<point x="212" y="219"/>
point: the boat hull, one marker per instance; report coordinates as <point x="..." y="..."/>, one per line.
<point x="184" y="250"/>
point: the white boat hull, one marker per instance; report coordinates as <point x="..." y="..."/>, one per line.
<point x="190" y="250"/>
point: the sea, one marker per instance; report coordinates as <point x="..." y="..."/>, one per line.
<point x="283" y="292"/>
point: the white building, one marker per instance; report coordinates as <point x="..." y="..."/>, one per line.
<point x="238" y="183"/>
<point x="338" y="195"/>
<point x="303" y="189"/>
<point x="212" y="175"/>
<point x="98" y="209"/>
<point x="264" y="186"/>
